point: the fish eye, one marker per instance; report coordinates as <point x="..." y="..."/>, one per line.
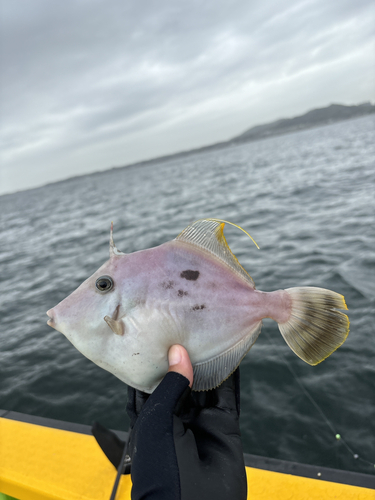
<point x="104" y="284"/>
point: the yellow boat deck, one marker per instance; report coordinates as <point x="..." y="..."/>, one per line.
<point x="40" y="463"/>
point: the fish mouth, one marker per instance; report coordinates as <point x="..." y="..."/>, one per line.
<point x="51" y="321"/>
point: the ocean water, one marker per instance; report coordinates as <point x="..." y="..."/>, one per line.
<point x="308" y="200"/>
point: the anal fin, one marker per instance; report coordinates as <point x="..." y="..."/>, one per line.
<point x="212" y="373"/>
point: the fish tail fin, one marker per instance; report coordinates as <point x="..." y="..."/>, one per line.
<point x="316" y="327"/>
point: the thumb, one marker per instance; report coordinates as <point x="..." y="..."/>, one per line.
<point x="179" y="361"/>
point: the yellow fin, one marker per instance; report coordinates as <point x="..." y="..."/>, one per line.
<point x="208" y="234"/>
<point x="238" y="227"/>
<point x="316" y="327"/>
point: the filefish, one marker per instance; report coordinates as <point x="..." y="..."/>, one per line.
<point x="194" y="292"/>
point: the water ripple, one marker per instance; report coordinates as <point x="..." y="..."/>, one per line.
<point x="307" y="199"/>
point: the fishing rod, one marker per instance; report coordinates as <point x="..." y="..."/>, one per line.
<point x="125" y="460"/>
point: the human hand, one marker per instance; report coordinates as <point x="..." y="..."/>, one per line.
<point x="186" y="445"/>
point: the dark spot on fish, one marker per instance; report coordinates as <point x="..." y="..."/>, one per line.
<point x="190" y="275"/>
<point x="197" y="307"/>
<point x="135" y="302"/>
<point x="181" y="293"/>
<point x="167" y="285"/>
<point x="135" y="353"/>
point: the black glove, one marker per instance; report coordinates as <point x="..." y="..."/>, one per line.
<point x="186" y="445"/>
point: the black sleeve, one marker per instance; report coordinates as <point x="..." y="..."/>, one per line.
<point x="208" y="443"/>
<point x="155" y="472"/>
<point x="184" y="445"/>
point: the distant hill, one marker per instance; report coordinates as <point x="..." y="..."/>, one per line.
<point x="313" y="118"/>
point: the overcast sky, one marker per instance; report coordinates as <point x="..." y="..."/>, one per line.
<point x="91" y="84"/>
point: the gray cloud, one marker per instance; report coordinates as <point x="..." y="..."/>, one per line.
<point x="88" y="84"/>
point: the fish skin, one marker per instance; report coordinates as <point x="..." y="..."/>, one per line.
<point x="190" y="291"/>
<point x="170" y="294"/>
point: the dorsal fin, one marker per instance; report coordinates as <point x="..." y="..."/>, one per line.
<point x="112" y="247"/>
<point x="208" y="234"/>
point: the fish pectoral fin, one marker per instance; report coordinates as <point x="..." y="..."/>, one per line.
<point x="210" y="374"/>
<point x="208" y="234"/>
<point x="117" y="326"/>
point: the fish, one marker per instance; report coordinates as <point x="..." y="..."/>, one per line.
<point x="194" y="292"/>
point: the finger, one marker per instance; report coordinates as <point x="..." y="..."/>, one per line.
<point x="179" y="362"/>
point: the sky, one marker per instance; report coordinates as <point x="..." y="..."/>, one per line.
<point x="87" y="85"/>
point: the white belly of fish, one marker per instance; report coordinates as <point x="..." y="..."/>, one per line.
<point x="209" y="333"/>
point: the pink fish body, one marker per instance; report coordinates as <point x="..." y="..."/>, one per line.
<point x="190" y="291"/>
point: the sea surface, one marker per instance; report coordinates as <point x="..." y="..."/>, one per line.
<point x="307" y="198"/>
